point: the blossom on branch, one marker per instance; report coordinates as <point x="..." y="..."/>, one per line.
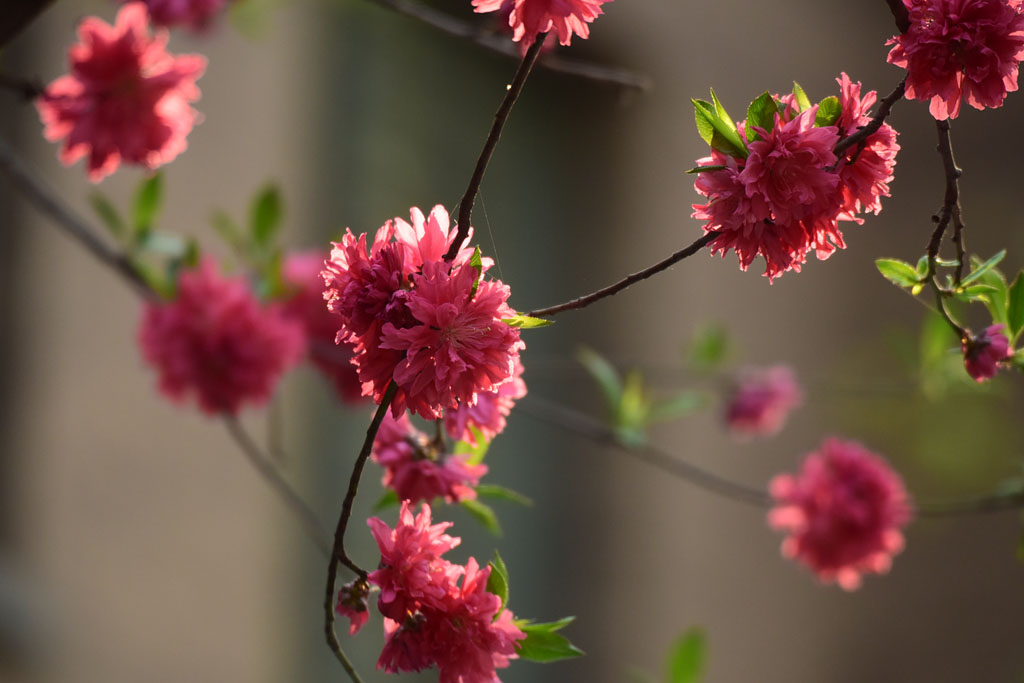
<point x="352" y="604"/>
<point x="960" y="49"/>
<point x="865" y="169"/>
<point x="488" y="414"/>
<point x="196" y="14"/>
<point x="215" y="340"/>
<point x="983" y="353"/>
<point x="528" y="18"/>
<point x="843" y="512"/>
<point x="762" y="400"/>
<point x="126" y="98"/>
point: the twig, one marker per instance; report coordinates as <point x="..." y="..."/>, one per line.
<point x="338" y="553"/>
<point x="501" y="45"/>
<point x="863" y="132"/>
<point x="950" y="211"/>
<point x="585" y="301"/>
<point x="310" y="523"/>
<point x="982" y="505"/>
<point x="500" y="117"/>
<point x="48" y="202"/>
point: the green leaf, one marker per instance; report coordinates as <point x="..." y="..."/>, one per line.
<point x="975" y="293"/>
<point x="476" y="262"/>
<point x="761" y="114"/>
<point x="897" y="272"/>
<point x="703" y="115"/>
<point x="387" y="500"/>
<point x="265" y="215"/>
<point x="164" y="243"/>
<point x="979" y="270"/>
<point x="718" y="133"/>
<point x="108" y="215"/>
<point x="1015" y="308"/>
<point x="922" y="267"/>
<point x="155" y="278"/>
<point x="686" y="658"/>
<point x="681" y="405"/>
<point x="709" y="347"/>
<point x="543" y="644"/>
<point x="496" y="492"/>
<point x="996" y="301"/>
<point x="723" y="115"/>
<point x="225" y="226"/>
<point x="476" y="453"/>
<point x="148" y="201"/>
<point x="829" y="111"/>
<point x="948" y="263"/>
<point x="802" y="101"/>
<point x="526" y="322"/>
<point x="483" y="514"/>
<point x="633" y="411"/>
<point x="497" y="582"/>
<point x="601" y="370"/>
<point x="706" y="169"/>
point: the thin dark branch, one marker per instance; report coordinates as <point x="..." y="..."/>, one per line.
<point x="338" y="553"/>
<point x="27" y="88"/>
<point x="48" y="202"/>
<point x="310" y="523"/>
<point x="950" y="212"/>
<point x="982" y="505"/>
<point x="504" y="46"/>
<point x="595" y="430"/>
<point x="900" y="14"/>
<point x="500" y="117"/>
<point x="585" y="301"/>
<point x="884" y="109"/>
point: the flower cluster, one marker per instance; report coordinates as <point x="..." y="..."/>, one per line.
<point x="761" y="401"/>
<point x="843" y="513"/>
<point x="418" y="469"/>
<point x="784" y="194"/>
<point x="528" y="18"/>
<point x="126" y="98"/>
<point x="960" y="49"/>
<point x="217" y="341"/>
<point x="195" y="14"/>
<point x="431" y="618"/>
<point x="433" y="327"/>
<point x="983" y="353"/>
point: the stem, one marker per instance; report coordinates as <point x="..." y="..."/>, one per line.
<point x="500" y="117"/>
<point x="310" y="523"/>
<point x="584" y="301"/>
<point x="338" y="553"/>
<point x="972" y="506"/>
<point x="950" y="211"/>
<point x="861" y="135"/>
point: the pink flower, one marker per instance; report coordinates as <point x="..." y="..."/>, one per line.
<point x="215" y="340"/>
<point x="416" y="468"/>
<point x="301" y="272"/>
<point x="960" y="49"/>
<point x="762" y="400"/>
<point x="867" y="179"/>
<point x="196" y="14"/>
<point x="352" y="604"/>
<point x="126" y="98"/>
<point x="843" y="513"/>
<point x="529" y="18"/>
<point x="489" y="413"/>
<point x="982" y="354"/>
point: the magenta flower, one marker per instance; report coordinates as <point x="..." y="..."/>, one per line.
<point x="528" y="18"/>
<point x="196" y="14"/>
<point x="215" y="340"/>
<point x="488" y="414"/>
<point x="301" y="273"/>
<point x="982" y="354"/>
<point x="762" y="400"/>
<point x="352" y="604"/>
<point x="126" y="98"/>
<point x="867" y="179"/>
<point x="960" y="49"/>
<point x="416" y="468"/>
<point x="843" y="512"/>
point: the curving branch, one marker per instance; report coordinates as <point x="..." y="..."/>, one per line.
<point x="861" y="135"/>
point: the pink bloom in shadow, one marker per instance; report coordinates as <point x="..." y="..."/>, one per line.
<point x="983" y="353"/>
<point x="528" y="18"/>
<point x="864" y="181"/>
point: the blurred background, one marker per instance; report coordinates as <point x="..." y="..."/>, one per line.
<point x="136" y="543"/>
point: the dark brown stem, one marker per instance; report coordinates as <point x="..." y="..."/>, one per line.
<point x="950" y="212"/>
<point x="861" y="135"/>
<point x="500" y="117"/>
<point x="501" y="45"/>
<point x="584" y="301"/>
<point x="338" y="553"/>
<point x="48" y="202"/>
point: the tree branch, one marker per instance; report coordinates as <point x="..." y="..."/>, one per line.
<point x="861" y="135"/>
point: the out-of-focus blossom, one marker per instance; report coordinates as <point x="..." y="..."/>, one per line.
<point x="983" y="353"/>
<point x="762" y="400"/>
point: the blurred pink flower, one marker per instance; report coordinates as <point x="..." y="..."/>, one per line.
<point x="960" y="49"/>
<point x="983" y="353"/>
<point x="126" y="98"/>
<point x="528" y="18"/>
<point x="217" y="341"/>
<point x="196" y="14"/>
<point x="762" y="400"/>
<point x="843" y="512"/>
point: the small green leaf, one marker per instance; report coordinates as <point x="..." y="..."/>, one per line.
<point x="164" y="243"/>
<point x="703" y="114"/>
<point x="979" y="270"/>
<point x="543" y="644"/>
<point x="803" y="103"/>
<point x="495" y="492"/>
<point x="476" y="262"/>
<point x="706" y="169"/>
<point x="681" y="405"/>
<point x="476" y="453"/>
<point x="604" y="373"/>
<point x="148" y="201"/>
<point x="709" y="347"/>
<point x="108" y="214"/>
<point x="497" y="582"/>
<point x="225" y="226"/>
<point x="526" y="322"/>
<point x="718" y="133"/>
<point x="265" y="215"/>
<point x="761" y="114"/>
<point x="686" y="658"/>
<point x="897" y="272"/>
<point x="829" y="111"/>
<point x="1015" y="308"/>
<point x="996" y="301"/>
<point x="633" y="411"/>
<point x="483" y="514"/>
<point x="975" y="293"/>
<point x="922" y="267"/>
<point x="387" y="500"/>
<point x="723" y="115"/>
